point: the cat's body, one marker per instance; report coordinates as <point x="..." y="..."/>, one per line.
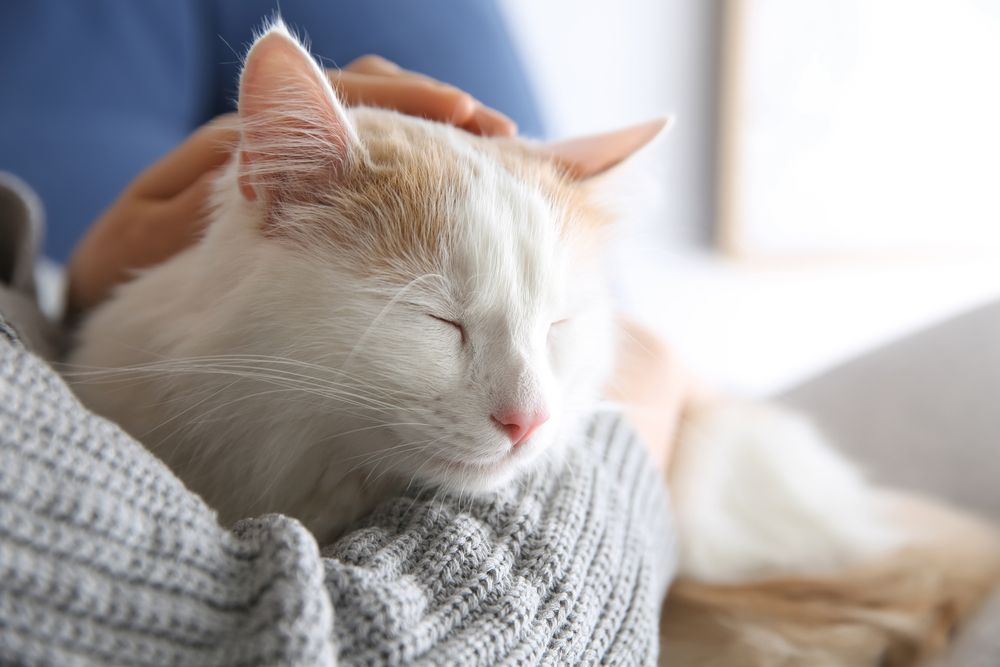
<point x="381" y="300"/>
<point x="279" y="375"/>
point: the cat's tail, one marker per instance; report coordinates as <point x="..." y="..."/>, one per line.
<point x="788" y="557"/>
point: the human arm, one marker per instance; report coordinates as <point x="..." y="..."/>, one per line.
<point x="653" y="388"/>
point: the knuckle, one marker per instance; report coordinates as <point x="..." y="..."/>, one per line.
<point x="371" y="61"/>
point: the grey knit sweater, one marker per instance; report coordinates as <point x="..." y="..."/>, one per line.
<point x="105" y="557"/>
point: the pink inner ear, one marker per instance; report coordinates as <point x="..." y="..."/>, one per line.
<point x="293" y="124"/>
<point x="583" y="157"/>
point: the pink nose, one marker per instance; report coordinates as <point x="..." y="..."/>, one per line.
<point x="520" y="425"/>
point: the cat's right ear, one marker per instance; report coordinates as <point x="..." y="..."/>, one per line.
<point x="294" y="128"/>
<point x="585" y="157"/>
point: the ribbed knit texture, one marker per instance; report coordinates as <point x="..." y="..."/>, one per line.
<point x="105" y="558"/>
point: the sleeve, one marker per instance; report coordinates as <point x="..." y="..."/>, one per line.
<point x="105" y="557"/>
<point x="565" y="569"/>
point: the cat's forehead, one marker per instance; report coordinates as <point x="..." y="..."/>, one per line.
<point x="509" y="254"/>
<point x="487" y="213"/>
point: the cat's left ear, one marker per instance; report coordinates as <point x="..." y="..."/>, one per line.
<point x="294" y="127"/>
<point x="584" y="157"/>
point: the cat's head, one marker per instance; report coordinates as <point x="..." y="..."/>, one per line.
<point x="451" y="283"/>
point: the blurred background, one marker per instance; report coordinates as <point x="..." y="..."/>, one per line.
<point x="831" y="183"/>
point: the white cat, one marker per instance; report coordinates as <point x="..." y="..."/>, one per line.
<point x="379" y="299"/>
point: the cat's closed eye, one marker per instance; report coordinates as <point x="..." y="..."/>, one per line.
<point x="456" y="325"/>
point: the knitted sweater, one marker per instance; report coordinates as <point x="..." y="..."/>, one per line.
<point x="105" y="558"/>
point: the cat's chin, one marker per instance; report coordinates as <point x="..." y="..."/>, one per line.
<point x="474" y="477"/>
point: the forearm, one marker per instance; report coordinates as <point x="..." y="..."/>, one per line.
<point x="652" y="387"/>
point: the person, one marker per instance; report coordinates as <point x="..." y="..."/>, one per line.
<point x="105" y="557"/>
<point x="95" y="534"/>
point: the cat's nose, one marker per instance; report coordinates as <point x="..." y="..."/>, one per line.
<point x="519" y="424"/>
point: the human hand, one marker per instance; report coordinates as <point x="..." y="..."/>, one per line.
<point x="653" y="388"/>
<point x="162" y="211"/>
<point x="377" y="82"/>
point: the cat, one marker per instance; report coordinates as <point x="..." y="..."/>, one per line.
<point x="381" y="300"/>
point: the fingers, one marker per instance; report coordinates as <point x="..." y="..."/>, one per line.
<point x="375" y="81"/>
<point x="370" y="80"/>
<point x="376" y="66"/>
<point x="408" y="94"/>
<point x="166" y="227"/>
<point x="135" y="233"/>
<point x="207" y="149"/>
<point x="489" y="123"/>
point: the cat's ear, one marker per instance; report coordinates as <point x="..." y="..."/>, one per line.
<point x="584" y="157"/>
<point x="293" y="126"/>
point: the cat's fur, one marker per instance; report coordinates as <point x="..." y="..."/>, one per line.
<point x="296" y="359"/>
<point x="299" y="359"/>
